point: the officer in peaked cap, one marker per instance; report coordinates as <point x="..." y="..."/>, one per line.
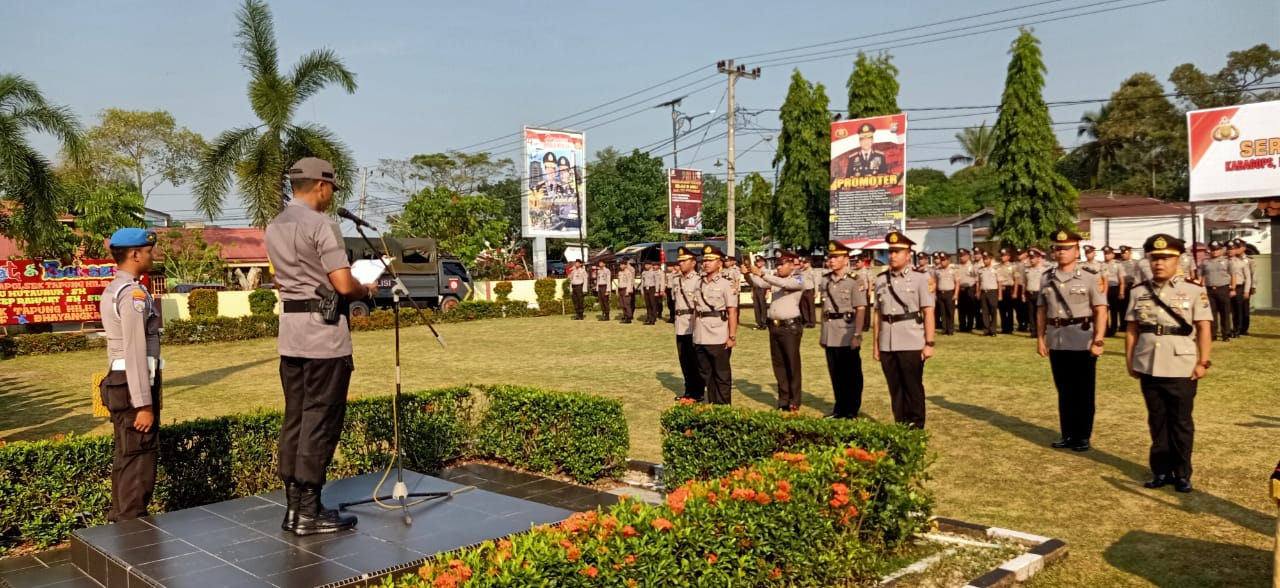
<point x="1167" y="349"/>
<point x="1242" y="275"/>
<point x="715" y="329"/>
<point x="131" y="389"/>
<point x="904" y="330"/>
<point x="866" y="161"/>
<point x="967" y="304"/>
<point x="684" y="290"/>
<point x="1220" y="282"/>
<point x="844" y="306"/>
<point x="1071" y="320"/>
<point x="1008" y="290"/>
<point x="946" y="279"/>
<point x="786" y="324"/>
<point x="1117" y="290"/>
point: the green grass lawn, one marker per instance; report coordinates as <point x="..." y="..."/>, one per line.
<point x="992" y="413"/>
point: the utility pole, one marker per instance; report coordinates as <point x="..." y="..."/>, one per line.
<point x="364" y="182"/>
<point x="734" y="72"/>
<point x="675" y="119"/>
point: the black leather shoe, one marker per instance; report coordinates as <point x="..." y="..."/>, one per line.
<point x="1080" y="445"/>
<point x="292" y="495"/>
<point x="1182" y="485"/>
<point x="314" y="518"/>
<point x="1159" y="481"/>
<point x="1062" y="443"/>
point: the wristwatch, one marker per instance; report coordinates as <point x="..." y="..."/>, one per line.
<point x="1099" y="343"/>
<point x="733" y="338"/>
<point x="1206" y="364"/>
<point x="928" y="343"/>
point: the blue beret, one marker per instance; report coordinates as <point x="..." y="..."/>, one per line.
<point x="131" y="237"/>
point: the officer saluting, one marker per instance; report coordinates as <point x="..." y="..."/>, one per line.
<point x="131" y="389"/>
<point x="786" y="325"/>
<point x="844" y="306"/>
<point x="904" y="330"/>
<point x="315" y="282"/>
<point x="1071" y="317"/>
<point x="1168" y="356"/>
<point x="715" y="330"/>
<point x="684" y="288"/>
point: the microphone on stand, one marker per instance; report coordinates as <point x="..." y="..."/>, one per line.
<point x="347" y="214"/>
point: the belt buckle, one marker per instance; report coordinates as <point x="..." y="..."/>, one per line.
<point x="775" y="322"/>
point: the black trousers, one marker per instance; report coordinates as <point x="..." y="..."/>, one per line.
<point x="1238" y="304"/>
<point x="1243" y="327"/>
<point x="671" y="306"/>
<point x="1116" y="310"/>
<point x="315" y="403"/>
<point x="1020" y="309"/>
<point x="759" y="305"/>
<point x="1030" y="308"/>
<point x="844" y="365"/>
<point x="904" y="373"/>
<point x="1006" y="305"/>
<point x="784" y="350"/>
<point x="578" y="300"/>
<point x="990" y="305"/>
<point x="808" y="311"/>
<point x="687" y="353"/>
<point x="1220" y="306"/>
<point x="968" y="306"/>
<point x="1169" y="405"/>
<point x="1075" y="375"/>
<point x="947" y="312"/>
<point x="651" y="305"/>
<point x="133" y="462"/>
<point x="627" y="300"/>
<point x="713" y="367"/>
<point x="602" y="294"/>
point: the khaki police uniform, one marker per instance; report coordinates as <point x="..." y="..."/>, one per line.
<point x="1032" y="274"/>
<point x="946" y="280"/>
<point x="843" y="296"/>
<point x="1006" y="270"/>
<point x="578" y="286"/>
<point x="711" y="332"/>
<point x="1067" y="302"/>
<point x="131" y="325"/>
<point x="1251" y="289"/>
<point x="604" y="279"/>
<point x="649" y="282"/>
<point x="901" y="302"/>
<point x="627" y="292"/>
<point x="1215" y="273"/>
<point x="786" y="328"/>
<point x="1117" y="293"/>
<point x="1240" y="275"/>
<point x="987" y="281"/>
<point x="808" y="303"/>
<point x="672" y="276"/>
<point x="686" y="291"/>
<point x="1165" y="355"/>
<point x="760" y="303"/>
<point x="967" y="304"/>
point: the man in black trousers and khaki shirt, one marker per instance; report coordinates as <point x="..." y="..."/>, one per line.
<point x="844" y="306"/>
<point x="904" y="330"/>
<point x="786" y="324"/>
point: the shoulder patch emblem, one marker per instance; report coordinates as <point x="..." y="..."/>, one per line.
<point x="139" y="295"/>
<point x="140" y="306"/>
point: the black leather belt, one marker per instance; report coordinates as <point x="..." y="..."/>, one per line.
<point x="837" y="315"/>
<point x="684" y="312"/>
<point x="1066" y="322"/>
<point x="705" y="314"/>
<point x="302" y="305"/>
<point x="1227" y="286"/>
<point x="1165" y="330"/>
<point x="784" y="322"/>
<point x="893" y="318"/>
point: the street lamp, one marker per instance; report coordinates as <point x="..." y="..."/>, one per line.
<point x="677" y="120"/>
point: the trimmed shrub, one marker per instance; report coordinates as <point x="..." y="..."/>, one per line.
<point x="262" y="302"/>
<point x="48" y="343"/>
<point x="202" y="303"/>
<point x="219" y="328"/>
<point x="704" y="442"/>
<point x="582" y="436"/>
<point x="789" y="520"/>
<point x="45" y="484"/>
<point x="502" y="290"/>
<point x="544" y="291"/>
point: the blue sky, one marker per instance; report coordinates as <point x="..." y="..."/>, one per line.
<point x="436" y="76"/>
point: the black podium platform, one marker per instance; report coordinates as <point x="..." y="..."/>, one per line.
<point x="239" y="542"/>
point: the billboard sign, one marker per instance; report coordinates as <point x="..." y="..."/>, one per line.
<point x="554" y="203"/>
<point x="1234" y="151"/>
<point x="868" y="176"/>
<point x="684" y="201"/>
<point x="47" y="291"/>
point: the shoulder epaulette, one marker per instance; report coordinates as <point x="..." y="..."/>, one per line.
<point x="1089" y="269"/>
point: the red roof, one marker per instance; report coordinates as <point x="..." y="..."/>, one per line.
<point x="1119" y="205"/>
<point x="239" y="246"/>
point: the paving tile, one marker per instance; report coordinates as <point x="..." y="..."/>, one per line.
<point x="214" y="541"/>
<point x="281" y="561"/>
<point x="95" y="564"/>
<point x="224" y="576"/>
<point x="149" y="553"/>
<point x="41" y="577"/>
<point x="54" y="556"/>
<point x="348" y="544"/>
<point x="380" y="558"/>
<point x="16" y="564"/>
<point x="251" y="549"/>
<point x="182" y="565"/>
<point x="114" y="543"/>
<point x="190" y="522"/>
<point x="117" y="575"/>
<point x="314" y="575"/>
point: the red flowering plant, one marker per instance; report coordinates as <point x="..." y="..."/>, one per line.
<point x="791" y="519"/>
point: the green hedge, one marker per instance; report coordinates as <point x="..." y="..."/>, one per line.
<point x="502" y="290"/>
<point x="219" y="328"/>
<point x="544" y="291"/>
<point x="576" y="434"/>
<point x="262" y="302"/>
<point x="48" y="343"/>
<point x="705" y="441"/>
<point x="202" y="303"/>
<point x="45" y="484"/>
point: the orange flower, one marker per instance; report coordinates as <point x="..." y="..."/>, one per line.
<point x="632" y="583"/>
<point x="776" y="573"/>
<point x="446" y="580"/>
<point x="630" y="559"/>
<point x="609" y="522"/>
<point x="784" y="485"/>
<point x="426" y="572"/>
<point x="711" y="558"/>
<point x="676" y="499"/>
<point x="59" y="437"/>
<point x="617" y="566"/>
<point x="743" y="494"/>
<point x="589" y="571"/>
<point x="862" y="455"/>
<point x="574" y="554"/>
<point x="840" y="488"/>
<point x="712" y="498"/>
<point x="629" y="532"/>
<point x="688" y="432"/>
<point x="782" y="496"/>
<point x="565" y="543"/>
<point x="763" y="498"/>
<point x="687" y="401"/>
<point x="504" y="544"/>
<point x="745" y="543"/>
<point x="753" y="477"/>
<point x="864" y="495"/>
<point x="662" y="524"/>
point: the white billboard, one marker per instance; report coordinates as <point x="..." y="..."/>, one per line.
<point x="1234" y="151"/>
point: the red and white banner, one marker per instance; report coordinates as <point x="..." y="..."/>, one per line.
<point x="684" y="201"/>
<point x="47" y="291"/>
<point x="1234" y="151"/>
<point x="868" y="176"/>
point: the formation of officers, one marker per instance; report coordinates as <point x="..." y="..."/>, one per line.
<point x="1069" y="305"/>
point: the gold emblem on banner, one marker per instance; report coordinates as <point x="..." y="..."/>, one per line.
<point x="1225" y="131"/>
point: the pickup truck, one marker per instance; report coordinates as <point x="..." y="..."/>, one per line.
<point x="433" y="281"/>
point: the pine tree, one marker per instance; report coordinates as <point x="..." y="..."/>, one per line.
<point x="873" y="86"/>
<point x="804" y="152"/>
<point x="1035" y="199"/>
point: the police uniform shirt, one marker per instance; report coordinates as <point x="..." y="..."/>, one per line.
<point x="1240" y="271"/>
<point x="304" y="246"/>
<point x="1216" y="271"/>
<point x="1083" y="290"/>
<point x="685" y="291"/>
<point x="785" y="294"/>
<point x="866" y="164"/>
<point x="1094" y="266"/>
<point x="132" y="328"/>
<point x="967" y="274"/>
<point x="733" y="275"/>
<point x="810" y="277"/>
<point x="916" y="291"/>
<point x="603" y="277"/>
<point x="1185" y="265"/>
<point x="946" y="278"/>
<point x="1113" y="271"/>
<point x="988" y="278"/>
<point x="626" y="280"/>
<point x="1006" y="272"/>
<point x="841" y="295"/>
<point x="648" y="279"/>
<point x="1167" y="355"/>
<point x="714" y="295"/>
<point x="578" y="276"/>
<point x="1144" y="269"/>
<point x="1130" y="270"/>
<point x="1033" y="279"/>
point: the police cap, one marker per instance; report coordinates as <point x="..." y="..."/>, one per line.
<point x="866" y="130"/>
<point x="1161" y="244"/>
<point x="683" y="253"/>
<point x="835" y="248"/>
<point x="130" y="237"/>
<point x="711" y="252"/>
<point x="897" y="240"/>
<point x="1065" y="237"/>
<point x="1215" y="244"/>
<point x="312" y="168"/>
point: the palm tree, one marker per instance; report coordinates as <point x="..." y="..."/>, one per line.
<point x="1100" y="152"/>
<point x="26" y="176"/>
<point x="977" y="143"/>
<point x="257" y="156"/>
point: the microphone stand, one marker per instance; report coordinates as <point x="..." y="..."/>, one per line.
<point x="400" y="491"/>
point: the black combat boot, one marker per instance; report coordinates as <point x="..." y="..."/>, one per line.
<point x="314" y="518"/>
<point x="292" y="494"/>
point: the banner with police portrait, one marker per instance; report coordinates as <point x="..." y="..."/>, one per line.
<point x="684" y="201"/>
<point x="554" y="203"/>
<point x="868" y="176"/>
<point x="1235" y="151"/>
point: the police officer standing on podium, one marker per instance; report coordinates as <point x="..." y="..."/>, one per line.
<point x="314" y="276"/>
<point x="844" y="304"/>
<point x="904" y="330"/>
<point x="1167" y="344"/>
<point x="1071" y="321"/>
<point x="715" y="330"/>
<point x="131" y="389"/>
<point x="786" y="325"/>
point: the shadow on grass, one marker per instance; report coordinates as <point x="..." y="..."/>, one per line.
<point x="1263" y="422"/>
<point x="671" y="381"/>
<point x="1198" y="501"/>
<point x="1169" y="561"/>
<point x="35" y="413"/>
<point x="213" y="375"/>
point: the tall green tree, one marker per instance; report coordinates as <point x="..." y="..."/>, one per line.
<point x="258" y="156"/>
<point x="99" y="212"/>
<point x="145" y="149"/>
<point x="804" y="154"/>
<point x="873" y="86"/>
<point x="27" y="177"/>
<point x="1149" y="136"/>
<point x="967" y="191"/>
<point x="626" y="199"/>
<point x="463" y="225"/>
<point x="1035" y="199"/>
<point x="1236" y="83"/>
<point x="1098" y="154"/>
<point x="976" y="144"/>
